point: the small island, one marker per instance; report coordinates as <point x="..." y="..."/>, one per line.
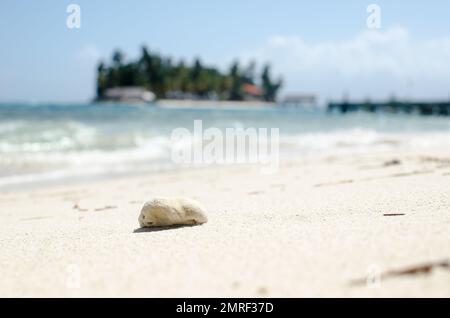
<point x="153" y="76"/>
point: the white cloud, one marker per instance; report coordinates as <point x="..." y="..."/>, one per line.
<point x="373" y="64"/>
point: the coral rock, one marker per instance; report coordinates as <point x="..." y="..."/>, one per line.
<point x="171" y="211"/>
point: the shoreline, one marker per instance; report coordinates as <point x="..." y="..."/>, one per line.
<point x="192" y="103"/>
<point x="71" y="180"/>
<point x="314" y="229"/>
<point x="201" y="104"/>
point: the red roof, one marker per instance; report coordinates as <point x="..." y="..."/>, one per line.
<point x="252" y="89"/>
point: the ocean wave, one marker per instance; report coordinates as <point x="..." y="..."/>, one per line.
<point x="53" y="143"/>
<point x="154" y="154"/>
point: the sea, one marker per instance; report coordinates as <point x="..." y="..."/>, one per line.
<point x="42" y="143"/>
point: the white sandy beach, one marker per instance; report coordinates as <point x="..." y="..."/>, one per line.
<point x="314" y="229"/>
<point x="218" y="104"/>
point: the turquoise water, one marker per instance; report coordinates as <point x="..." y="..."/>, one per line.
<point x="54" y="142"/>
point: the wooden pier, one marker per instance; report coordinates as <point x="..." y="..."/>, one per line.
<point x="422" y="108"/>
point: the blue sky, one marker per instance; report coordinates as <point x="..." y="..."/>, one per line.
<point x="322" y="47"/>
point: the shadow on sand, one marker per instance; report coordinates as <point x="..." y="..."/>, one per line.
<point x="161" y="228"/>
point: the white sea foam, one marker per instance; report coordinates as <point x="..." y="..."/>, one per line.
<point x="55" y="144"/>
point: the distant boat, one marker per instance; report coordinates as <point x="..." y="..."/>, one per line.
<point x="129" y="94"/>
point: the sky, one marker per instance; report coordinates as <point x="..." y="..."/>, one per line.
<point x="321" y="47"/>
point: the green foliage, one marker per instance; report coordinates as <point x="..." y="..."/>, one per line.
<point x="269" y="87"/>
<point x="178" y="80"/>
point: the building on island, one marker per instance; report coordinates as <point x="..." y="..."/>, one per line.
<point x="131" y="94"/>
<point x="300" y="100"/>
<point x="252" y="92"/>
